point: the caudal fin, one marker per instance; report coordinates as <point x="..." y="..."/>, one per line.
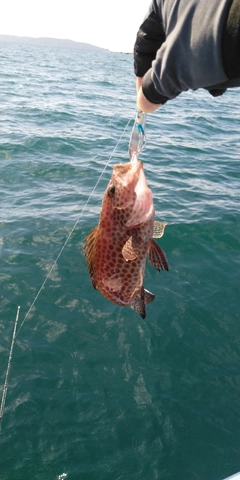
<point x="141" y="300"/>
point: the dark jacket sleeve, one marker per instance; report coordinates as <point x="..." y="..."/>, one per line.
<point x="149" y="39"/>
<point x="184" y="45"/>
<point x="231" y="42"/>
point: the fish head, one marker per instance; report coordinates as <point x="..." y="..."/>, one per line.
<point x="121" y="188"/>
<point x="127" y="195"/>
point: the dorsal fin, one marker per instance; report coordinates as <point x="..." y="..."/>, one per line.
<point x="158" y="229"/>
<point x="157" y="257"/>
<point x="89" y="247"/>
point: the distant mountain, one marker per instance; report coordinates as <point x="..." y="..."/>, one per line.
<point x="51" y="42"/>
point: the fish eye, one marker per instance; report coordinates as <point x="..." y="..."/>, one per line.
<point x="111" y="191"/>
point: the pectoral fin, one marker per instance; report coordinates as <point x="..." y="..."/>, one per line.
<point x="157" y="257"/>
<point x="158" y="229"/>
<point x="128" y="252"/>
<point x="131" y="248"/>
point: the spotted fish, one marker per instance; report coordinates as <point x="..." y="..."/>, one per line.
<point x="117" y="248"/>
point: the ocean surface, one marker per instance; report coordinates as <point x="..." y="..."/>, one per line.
<point x="94" y="391"/>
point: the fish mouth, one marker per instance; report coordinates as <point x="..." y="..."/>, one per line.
<point x="143" y="209"/>
<point x="134" y="159"/>
<point x="128" y="173"/>
<point x="136" y="164"/>
<point x="141" y="182"/>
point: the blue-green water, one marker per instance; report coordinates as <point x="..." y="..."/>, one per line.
<point x="95" y="392"/>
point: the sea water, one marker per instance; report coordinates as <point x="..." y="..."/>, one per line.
<point x="94" y="391"/>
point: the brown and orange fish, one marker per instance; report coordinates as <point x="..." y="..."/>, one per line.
<point x="116" y="250"/>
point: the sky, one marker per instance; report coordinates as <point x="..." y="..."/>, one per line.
<point x="110" y="24"/>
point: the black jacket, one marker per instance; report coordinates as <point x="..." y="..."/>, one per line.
<point x="188" y="44"/>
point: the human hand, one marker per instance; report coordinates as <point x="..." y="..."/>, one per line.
<point x="138" y="83"/>
<point x="144" y="105"/>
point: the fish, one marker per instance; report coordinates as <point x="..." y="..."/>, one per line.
<point x="117" y="248"/>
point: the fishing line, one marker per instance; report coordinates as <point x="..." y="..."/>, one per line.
<point x="73" y="228"/>
<point x="15" y="332"/>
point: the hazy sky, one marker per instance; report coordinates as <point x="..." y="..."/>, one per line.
<point x="111" y="24"/>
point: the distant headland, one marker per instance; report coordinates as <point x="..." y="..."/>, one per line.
<point x="51" y="42"/>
